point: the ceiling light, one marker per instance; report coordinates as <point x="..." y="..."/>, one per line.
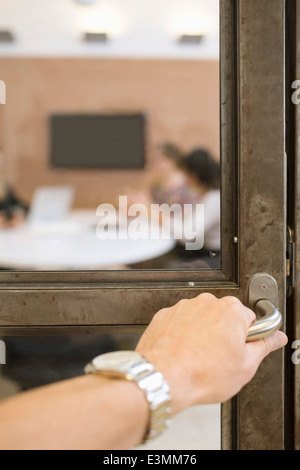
<point x="6" y="36"/>
<point x="86" y="2"/>
<point x="191" y="39"/>
<point x="95" y="37"/>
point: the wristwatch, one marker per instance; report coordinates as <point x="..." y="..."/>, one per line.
<point x="132" y="366"/>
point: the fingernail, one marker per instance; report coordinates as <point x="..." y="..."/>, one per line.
<point x="278" y="340"/>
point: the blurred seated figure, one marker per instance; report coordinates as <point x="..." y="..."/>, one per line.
<point x="188" y="179"/>
<point x="203" y="175"/>
<point x="171" y="184"/>
<point x="168" y="183"/>
<point x="12" y="209"/>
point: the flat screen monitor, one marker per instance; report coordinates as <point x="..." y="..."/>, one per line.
<point x="97" y="141"/>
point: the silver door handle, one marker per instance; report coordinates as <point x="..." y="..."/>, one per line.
<point x="270" y="322"/>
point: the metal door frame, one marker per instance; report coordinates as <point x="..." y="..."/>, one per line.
<point x="253" y="230"/>
<point x="294" y="306"/>
<point x="255" y="419"/>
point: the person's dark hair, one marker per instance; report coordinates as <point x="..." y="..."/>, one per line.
<point x="202" y="165"/>
<point x="172" y="152"/>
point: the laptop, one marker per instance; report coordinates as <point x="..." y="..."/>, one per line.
<point x="51" y="205"/>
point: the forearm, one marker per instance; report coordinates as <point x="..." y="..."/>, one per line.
<point x="89" y="412"/>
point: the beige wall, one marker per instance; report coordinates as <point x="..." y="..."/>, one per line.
<point x="180" y="99"/>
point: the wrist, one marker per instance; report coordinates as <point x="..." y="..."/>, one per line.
<point x="133" y="367"/>
<point x="180" y="396"/>
<point x="123" y="402"/>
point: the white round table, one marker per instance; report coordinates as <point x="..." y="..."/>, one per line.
<point x="73" y="245"/>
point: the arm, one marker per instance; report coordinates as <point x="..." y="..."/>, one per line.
<point x="88" y="412"/>
<point x="200" y="347"/>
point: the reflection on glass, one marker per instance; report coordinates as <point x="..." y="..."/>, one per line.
<point x="129" y="126"/>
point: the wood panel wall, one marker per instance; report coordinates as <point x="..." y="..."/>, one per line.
<point x="180" y="99"/>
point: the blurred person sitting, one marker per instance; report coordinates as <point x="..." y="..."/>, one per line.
<point x="203" y="176"/>
<point x="181" y="179"/>
<point x="166" y="183"/>
<point x="171" y="184"/>
<point x="12" y="210"/>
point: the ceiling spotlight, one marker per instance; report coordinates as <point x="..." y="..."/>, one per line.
<point x="191" y="39"/>
<point x="95" y="37"/>
<point x="6" y="36"/>
<point x="86" y="2"/>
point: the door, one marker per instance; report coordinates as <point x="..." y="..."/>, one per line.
<point x="294" y="324"/>
<point x="254" y="227"/>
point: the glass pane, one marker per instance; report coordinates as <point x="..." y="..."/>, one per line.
<point x="109" y="139"/>
<point x="103" y="107"/>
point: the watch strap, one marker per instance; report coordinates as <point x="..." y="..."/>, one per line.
<point x="155" y="388"/>
<point x="157" y="393"/>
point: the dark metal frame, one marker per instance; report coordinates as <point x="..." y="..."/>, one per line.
<point x="253" y="172"/>
<point x="295" y="304"/>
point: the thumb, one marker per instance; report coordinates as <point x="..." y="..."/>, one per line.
<point x="262" y="348"/>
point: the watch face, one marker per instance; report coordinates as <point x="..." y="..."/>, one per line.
<point x="120" y="361"/>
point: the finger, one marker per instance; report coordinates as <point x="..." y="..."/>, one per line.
<point x="205" y="298"/>
<point x="262" y="348"/>
<point x="233" y="303"/>
<point x="250" y="316"/>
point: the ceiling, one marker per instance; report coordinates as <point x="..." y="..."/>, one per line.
<point x="136" y="28"/>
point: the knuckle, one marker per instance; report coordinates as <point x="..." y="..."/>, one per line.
<point x="206" y="297"/>
<point x="232" y="301"/>
<point x="160" y="313"/>
<point x="252" y="315"/>
<point x="183" y="302"/>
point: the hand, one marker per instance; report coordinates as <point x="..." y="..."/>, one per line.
<point x="17" y="218"/>
<point x="200" y="347"/>
<point x="3" y="220"/>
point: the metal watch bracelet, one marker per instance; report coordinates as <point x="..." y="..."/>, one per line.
<point x="157" y="392"/>
<point x="155" y="388"/>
